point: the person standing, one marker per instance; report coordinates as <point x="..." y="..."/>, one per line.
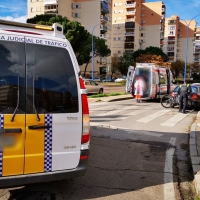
<point x="184" y="91"/>
<point x="139" y="86"/>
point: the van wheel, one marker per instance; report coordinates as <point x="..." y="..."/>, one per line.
<point x="101" y="91"/>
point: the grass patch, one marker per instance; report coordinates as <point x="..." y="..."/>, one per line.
<point x="106" y="95"/>
<point x="197" y="198"/>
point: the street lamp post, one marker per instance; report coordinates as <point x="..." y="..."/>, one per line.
<point x="186" y="50"/>
<point x="93" y="50"/>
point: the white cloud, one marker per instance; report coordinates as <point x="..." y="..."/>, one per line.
<point x="16" y="19"/>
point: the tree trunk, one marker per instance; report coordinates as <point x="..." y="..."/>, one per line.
<point x="85" y="68"/>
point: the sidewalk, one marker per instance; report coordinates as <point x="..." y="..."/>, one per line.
<point x="195" y="151"/>
<point x="111" y="98"/>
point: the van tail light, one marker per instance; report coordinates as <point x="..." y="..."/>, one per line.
<point x="86" y="118"/>
<point x="82" y="85"/>
<point x="83" y="157"/>
<point x="194" y="97"/>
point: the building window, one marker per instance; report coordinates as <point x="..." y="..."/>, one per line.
<point x="33" y="9"/>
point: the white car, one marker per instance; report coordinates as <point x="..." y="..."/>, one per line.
<point x="119" y="80"/>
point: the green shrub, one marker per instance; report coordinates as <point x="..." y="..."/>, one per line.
<point x="106" y="95"/>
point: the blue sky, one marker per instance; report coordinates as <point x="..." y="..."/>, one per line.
<point x="17" y="9"/>
<point x="185" y="9"/>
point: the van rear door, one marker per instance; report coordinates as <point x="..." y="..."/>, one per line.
<point x="54" y="114"/>
<point x="12" y="104"/>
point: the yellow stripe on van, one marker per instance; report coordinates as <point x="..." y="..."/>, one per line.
<point x="13" y="157"/>
<point x="34" y="145"/>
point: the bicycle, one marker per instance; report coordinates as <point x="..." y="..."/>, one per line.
<point x="172" y="100"/>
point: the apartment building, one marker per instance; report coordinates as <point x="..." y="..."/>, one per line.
<point x="89" y="13"/>
<point x="175" y="38"/>
<point x="197" y="46"/>
<point x="137" y="25"/>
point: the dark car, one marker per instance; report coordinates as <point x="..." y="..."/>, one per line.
<point x="194" y="95"/>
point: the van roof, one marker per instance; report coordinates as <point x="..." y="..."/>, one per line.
<point x="56" y="30"/>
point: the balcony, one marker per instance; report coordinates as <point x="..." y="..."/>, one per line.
<point x="172" y="22"/>
<point x="130" y="25"/>
<point x="130" y="12"/>
<point x="102" y="36"/>
<point x="130" y="19"/>
<point x="129" y="46"/>
<point x="129" y="34"/>
<point x="47" y="2"/>
<point x="196" y="51"/>
<point x="129" y="51"/>
<point x="163" y="10"/>
<point x="104" y="8"/>
<point x="161" y="29"/>
<point x="130" y="5"/>
<point x="103" y="28"/>
<point x="170" y="49"/>
<point x="197" y="46"/>
<point x="104" y="18"/>
<point x="171" y="39"/>
<point x="171" y="54"/>
<point x="129" y="39"/>
<point x="51" y="11"/>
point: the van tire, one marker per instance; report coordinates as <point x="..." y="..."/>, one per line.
<point x="101" y="91"/>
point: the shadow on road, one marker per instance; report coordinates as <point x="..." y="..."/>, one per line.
<point x="122" y="165"/>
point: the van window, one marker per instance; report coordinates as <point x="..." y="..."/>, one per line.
<point x="12" y="77"/>
<point x="51" y="80"/>
<point x="163" y="79"/>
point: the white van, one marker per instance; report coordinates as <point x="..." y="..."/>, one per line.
<point x="44" y="115"/>
<point x="158" y="80"/>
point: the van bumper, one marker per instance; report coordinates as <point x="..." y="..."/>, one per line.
<point x="20" y="180"/>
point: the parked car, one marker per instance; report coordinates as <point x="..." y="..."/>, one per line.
<point x="107" y="79"/>
<point x="194" y="95"/>
<point x="95" y="79"/>
<point x="93" y="87"/>
<point x="120" y="79"/>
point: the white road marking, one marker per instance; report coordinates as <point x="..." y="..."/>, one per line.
<point x="125" y="115"/>
<point x="101" y="108"/>
<point x="109" y="113"/>
<point x="135" y="112"/>
<point x="174" y="120"/>
<point x="153" y="116"/>
<point x="168" y="172"/>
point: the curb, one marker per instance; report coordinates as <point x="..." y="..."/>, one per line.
<point x="110" y="99"/>
<point x="195" y="159"/>
<point x="120" y="99"/>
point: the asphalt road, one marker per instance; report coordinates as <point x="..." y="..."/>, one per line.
<point x="138" y="151"/>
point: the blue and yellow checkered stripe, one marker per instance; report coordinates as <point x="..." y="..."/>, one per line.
<point x="1" y="151"/>
<point x="48" y="144"/>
